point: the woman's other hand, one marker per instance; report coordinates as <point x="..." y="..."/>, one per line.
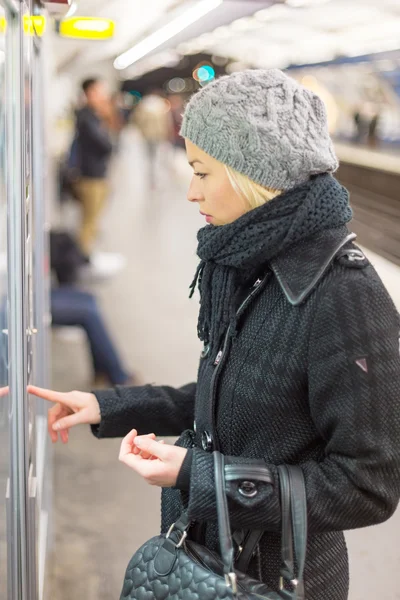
<point x="71" y="408"/>
<point x="158" y="463"/>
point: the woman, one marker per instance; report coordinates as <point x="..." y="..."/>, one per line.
<point x="301" y="360"/>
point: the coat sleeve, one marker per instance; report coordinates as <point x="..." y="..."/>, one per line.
<point x="354" y="401"/>
<point x="163" y="410"/>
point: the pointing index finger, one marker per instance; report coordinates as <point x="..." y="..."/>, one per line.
<point x="49" y="395"/>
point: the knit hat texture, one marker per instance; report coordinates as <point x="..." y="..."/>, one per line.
<point x="263" y="124"/>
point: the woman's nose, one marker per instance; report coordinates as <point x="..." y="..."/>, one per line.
<point x="194" y="193"/>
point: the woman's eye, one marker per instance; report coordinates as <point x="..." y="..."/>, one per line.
<point x="201" y="175"/>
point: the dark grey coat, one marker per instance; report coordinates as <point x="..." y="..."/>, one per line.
<point x="312" y="378"/>
<point x="94" y="144"/>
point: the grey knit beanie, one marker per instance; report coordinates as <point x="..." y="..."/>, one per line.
<point x="263" y="124"/>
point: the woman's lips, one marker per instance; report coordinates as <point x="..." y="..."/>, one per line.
<point x="208" y="217"/>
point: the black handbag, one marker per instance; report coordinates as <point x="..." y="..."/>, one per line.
<point x="171" y="567"/>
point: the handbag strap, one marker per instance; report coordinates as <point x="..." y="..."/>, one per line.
<point x="247" y="545"/>
<point x="299" y="512"/>
<point x="225" y="537"/>
<point x="287" y="554"/>
<point x="294" y="524"/>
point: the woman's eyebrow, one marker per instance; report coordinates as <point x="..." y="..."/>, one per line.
<point x="191" y="163"/>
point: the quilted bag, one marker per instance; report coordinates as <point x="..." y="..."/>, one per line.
<point x="172" y="567"/>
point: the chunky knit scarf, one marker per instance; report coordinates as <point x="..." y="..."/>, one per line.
<point x="231" y="253"/>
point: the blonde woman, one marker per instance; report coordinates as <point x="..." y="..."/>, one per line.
<point x="301" y="360"/>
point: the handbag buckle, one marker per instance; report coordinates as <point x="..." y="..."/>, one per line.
<point x="294" y="583"/>
<point x="183" y="538"/>
<point x="231" y="581"/>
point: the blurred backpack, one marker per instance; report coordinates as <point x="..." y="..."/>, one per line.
<point x="69" y="172"/>
<point x="66" y="257"/>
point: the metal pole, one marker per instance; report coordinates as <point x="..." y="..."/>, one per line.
<point x="17" y="318"/>
<point x="42" y="318"/>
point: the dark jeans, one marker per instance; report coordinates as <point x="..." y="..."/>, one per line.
<point x="71" y="306"/>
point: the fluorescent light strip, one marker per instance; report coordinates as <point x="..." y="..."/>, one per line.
<point x="305" y="3"/>
<point x="164" y="34"/>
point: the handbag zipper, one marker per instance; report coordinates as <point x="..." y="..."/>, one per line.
<point x="197" y="558"/>
<point x="192" y="553"/>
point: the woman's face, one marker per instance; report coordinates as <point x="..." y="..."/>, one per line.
<point x="211" y="188"/>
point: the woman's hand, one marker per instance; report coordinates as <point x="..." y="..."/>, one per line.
<point x="157" y="463"/>
<point x="72" y="408"/>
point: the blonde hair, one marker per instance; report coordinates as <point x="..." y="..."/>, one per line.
<point x="253" y="193"/>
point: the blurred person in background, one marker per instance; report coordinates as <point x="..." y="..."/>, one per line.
<point x="373" y="125"/>
<point x="122" y="110"/>
<point x="366" y="120"/>
<point x="301" y="361"/>
<point x="92" y="152"/>
<point x="73" y="306"/>
<point x="153" y="118"/>
<point x="360" y="123"/>
<point x="177" y="107"/>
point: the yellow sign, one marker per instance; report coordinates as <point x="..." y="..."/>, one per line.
<point x="32" y="25"/>
<point x="87" y="28"/>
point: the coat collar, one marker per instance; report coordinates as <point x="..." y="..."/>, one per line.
<point x="300" y="268"/>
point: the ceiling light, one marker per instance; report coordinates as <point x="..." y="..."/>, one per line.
<point x="220" y="61"/>
<point x="192" y="47"/>
<point x="207" y="39"/>
<point x="166" y="58"/>
<point x="88" y="28"/>
<point x="222" y="33"/>
<point x="384" y="45"/>
<point x="245" y="24"/>
<point x="233" y="67"/>
<point x="182" y="48"/>
<point x="176" y="85"/>
<point x="263" y="15"/>
<point x="165" y="33"/>
<point x="304" y="3"/>
<point x="279" y="11"/>
<point x="170" y="58"/>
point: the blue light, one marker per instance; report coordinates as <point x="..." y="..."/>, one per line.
<point x="205" y="73"/>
